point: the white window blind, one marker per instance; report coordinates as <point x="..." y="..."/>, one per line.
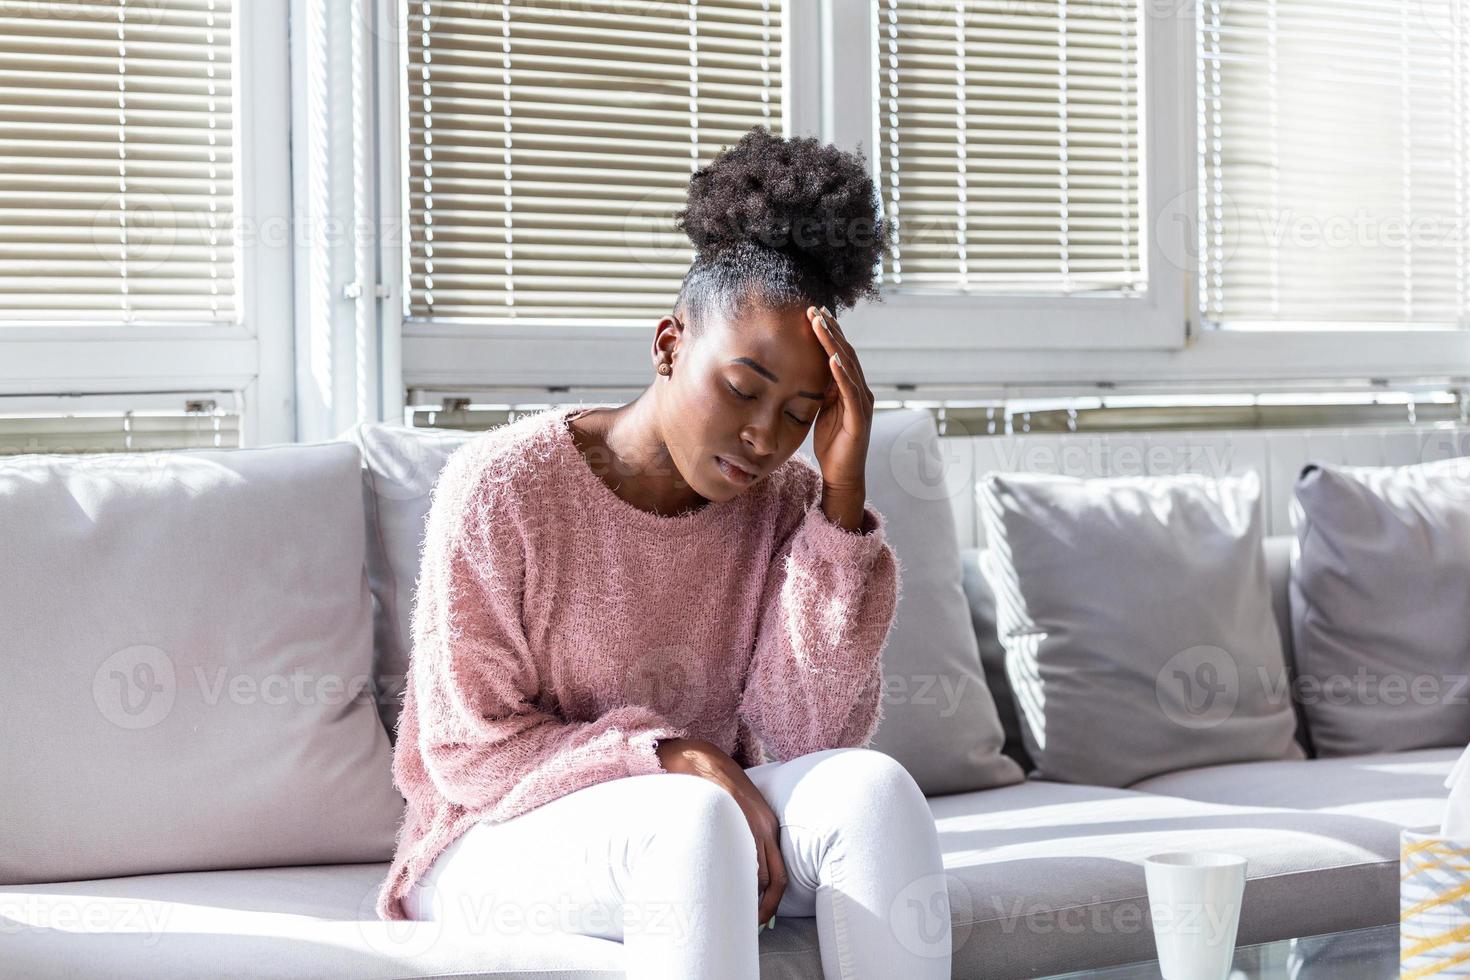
<point x="116" y="161"/>
<point x="549" y="145"/>
<point x="114" y="432"/>
<point x="1333" y="161"/>
<point x="1009" y="141"/>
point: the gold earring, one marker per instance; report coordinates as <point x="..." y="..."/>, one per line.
<point x="665" y="368"/>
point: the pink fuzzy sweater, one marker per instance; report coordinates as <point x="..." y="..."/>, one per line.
<point x="559" y="632"/>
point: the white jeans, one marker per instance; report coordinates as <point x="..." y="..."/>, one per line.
<point x="665" y="863"/>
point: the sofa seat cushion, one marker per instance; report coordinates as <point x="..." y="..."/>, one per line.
<point x="298" y="922"/>
<point x="1044" y="877"/>
<point x="1405" y="789"/>
<point x="1047" y="877"/>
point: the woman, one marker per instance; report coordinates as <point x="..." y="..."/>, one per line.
<point x="618" y="608"/>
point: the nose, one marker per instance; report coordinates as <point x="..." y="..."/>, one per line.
<point x="760" y="440"/>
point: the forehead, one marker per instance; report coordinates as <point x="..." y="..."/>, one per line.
<point x="781" y="340"/>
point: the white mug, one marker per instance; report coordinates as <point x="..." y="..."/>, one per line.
<point x="1194" y="905"/>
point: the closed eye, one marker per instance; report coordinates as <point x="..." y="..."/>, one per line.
<point x="795" y="418"/>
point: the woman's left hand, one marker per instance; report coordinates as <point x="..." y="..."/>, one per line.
<point x="845" y="421"/>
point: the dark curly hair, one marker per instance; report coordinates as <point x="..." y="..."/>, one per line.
<point x="781" y="222"/>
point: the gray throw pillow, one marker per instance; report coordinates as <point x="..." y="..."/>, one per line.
<point x="1136" y="618"/>
<point x="939" y="718"/>
<point x="993" y="654"/>
<point x="187" y="640"/>
<point x="1380" y="598"/>
<point x="400" y="465"/>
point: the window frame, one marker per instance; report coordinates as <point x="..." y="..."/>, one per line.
<point x="251" y="358"/>
<point x="1062" y="343"/>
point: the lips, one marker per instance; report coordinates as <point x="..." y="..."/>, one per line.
<point x="734" y="473"/>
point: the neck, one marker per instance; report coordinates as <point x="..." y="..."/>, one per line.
<point x="633" y="459"/>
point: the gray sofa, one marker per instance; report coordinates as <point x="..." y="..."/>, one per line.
<point x="1044" y="876"/>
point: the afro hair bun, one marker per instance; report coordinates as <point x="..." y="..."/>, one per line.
<point x="810" y="201"/>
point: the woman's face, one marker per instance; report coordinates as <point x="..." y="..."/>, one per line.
<point x="747" y="389"/>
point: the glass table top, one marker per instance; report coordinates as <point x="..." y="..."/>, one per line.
<point x="1356" y="954"/>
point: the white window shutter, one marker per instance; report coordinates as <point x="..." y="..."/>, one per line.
<point x="117" y="162"/>
<point x="549" y="146"/>
<point x="1334" y="162"/>
<point x="115" y="432"/>
<point x="1008" y="139"/>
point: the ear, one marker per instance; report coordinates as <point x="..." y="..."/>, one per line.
<point x="667" y="337"/>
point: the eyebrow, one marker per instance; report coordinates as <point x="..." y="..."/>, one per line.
<point x="761" y="369"/>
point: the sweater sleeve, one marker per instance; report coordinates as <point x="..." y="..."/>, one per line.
<point x="487" y="740"/>
<point x="816" y="678"/>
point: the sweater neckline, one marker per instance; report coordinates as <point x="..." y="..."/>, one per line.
<point x="601" y="495"/>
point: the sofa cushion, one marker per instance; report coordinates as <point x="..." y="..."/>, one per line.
<point x="272" y="923"/>
<point x="1277" y="549"/>
<point x="939" y="718"/>
<point x="1046" y="877"/>
<point x="1402" y="788"/>
<point x="1136" y="617"/>
<point x="1043" y="877"/>
<point x="1381" y="605"/>
<point x="306" y="922"/>
<point x="187" y="643"/>
<point x="993" y="655"/>
<point x="401" y="464"/>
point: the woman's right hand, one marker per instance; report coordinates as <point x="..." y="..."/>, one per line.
<point x="698" y="757"/>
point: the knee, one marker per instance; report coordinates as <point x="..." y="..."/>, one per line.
<point x="867" y="777"/>
<point x="693" y="815"/>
